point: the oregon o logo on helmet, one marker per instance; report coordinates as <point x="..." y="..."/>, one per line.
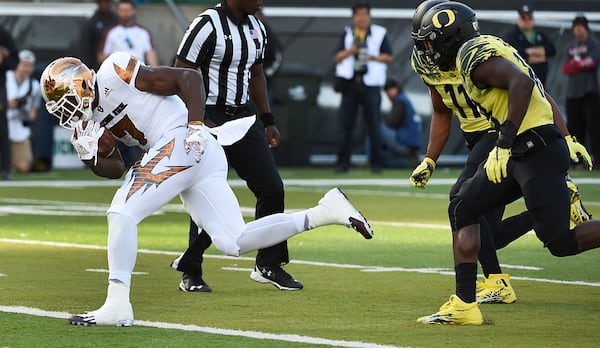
<point x="444" y="21"/>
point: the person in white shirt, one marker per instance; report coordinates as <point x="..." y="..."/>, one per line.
<point x="128" y="36"/>
<point x="23" y="95"/>
<point x="361" y="61"/>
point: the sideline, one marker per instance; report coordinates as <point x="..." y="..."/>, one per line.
<point x="352" y="186"/>
<point x="240" y="183"/>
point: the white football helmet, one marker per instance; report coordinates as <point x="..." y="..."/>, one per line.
<point x="68" y="88"/>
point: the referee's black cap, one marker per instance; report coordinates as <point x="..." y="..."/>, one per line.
<point x="525" y="10"/>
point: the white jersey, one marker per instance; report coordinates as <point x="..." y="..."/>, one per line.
<point x="159" y="125"/>
<point x="136" y="118"/>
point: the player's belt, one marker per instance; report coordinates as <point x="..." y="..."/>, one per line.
<point x="534" y="139"/>
<point x="229" y="110"/>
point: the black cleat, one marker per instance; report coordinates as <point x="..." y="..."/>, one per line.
<point x="190" y="283"/>
<point x="276" y="276"/>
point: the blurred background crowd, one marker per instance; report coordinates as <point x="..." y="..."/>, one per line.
<point x="301" y="69"/>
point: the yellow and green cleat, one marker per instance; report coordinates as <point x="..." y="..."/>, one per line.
<point x="496" y="289"/>
<point x="455" y="312"/>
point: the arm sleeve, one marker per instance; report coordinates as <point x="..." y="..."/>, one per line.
<point x="595" y="50"/>
<point x="548" y="46"/>
<point x="194" y="46"/>
<point x="341" y="44"/>
<point x="386" y="47"/>
<point x="571" y="67"/>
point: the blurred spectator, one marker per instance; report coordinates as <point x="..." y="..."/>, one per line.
<point x="583" y="92"/>
<point x="23" y="95"/>
<point x="91" y="35"/>
<point x="273" y="56"/>
<point x="8" y="61"/>
<point x="128" y="36"/>
<point x="401" y="129"/>
<point x="361" y="64"/>
<point x="534" y="46"/>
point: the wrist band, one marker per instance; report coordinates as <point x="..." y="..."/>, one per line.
<point x="195" y="123"/>
<point x="430" y="162"/>
<point x="507" y="135"/>
<point x="268" y="119"/>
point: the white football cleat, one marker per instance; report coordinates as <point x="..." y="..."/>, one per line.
<point x="116" y="310"/>
<point x="110" y="314"/>
<point x="335" y="208"/>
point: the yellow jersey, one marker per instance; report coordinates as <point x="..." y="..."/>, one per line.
<point x="449" y="85"/>
<point x="493" y="102"/>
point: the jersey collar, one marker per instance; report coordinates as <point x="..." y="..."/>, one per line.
<point x="236" y="20"/>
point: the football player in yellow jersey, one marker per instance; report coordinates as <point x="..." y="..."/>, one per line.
<point x="448" y="97"/>
<point x="529" y="157"/>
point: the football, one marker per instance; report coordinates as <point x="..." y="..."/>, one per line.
<point x="106" y="144"/>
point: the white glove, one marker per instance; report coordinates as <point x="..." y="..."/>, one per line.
<point x="195" y="141"/>
<point x="85" y="140"/>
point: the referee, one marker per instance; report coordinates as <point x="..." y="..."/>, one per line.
<point x="227" y="44"/>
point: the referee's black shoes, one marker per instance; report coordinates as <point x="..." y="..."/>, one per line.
<point x="193" y="283"/>
<point x="276" y="276"/>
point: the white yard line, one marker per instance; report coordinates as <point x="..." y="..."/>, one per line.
<point x="312" y="263"/>
<point x="211" y="330"/>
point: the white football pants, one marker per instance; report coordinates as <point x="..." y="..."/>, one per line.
<point x="165" y="171"/>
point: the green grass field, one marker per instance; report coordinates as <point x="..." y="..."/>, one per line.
<point x="358" y="293"/>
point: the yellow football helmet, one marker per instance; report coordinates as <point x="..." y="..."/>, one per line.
<point x="68" y="88"/>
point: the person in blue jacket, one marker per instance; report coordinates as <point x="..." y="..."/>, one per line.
<point x="401" y="129"/>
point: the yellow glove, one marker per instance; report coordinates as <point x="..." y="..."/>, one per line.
<point x="495" y="166"/>
<point x="422" y="173"/>
<point x="578" y="152"/>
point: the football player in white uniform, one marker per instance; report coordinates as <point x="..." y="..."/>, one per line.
<point x="137" y="104"/>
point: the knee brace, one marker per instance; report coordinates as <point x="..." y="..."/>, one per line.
<point x="565" y="245"/>
<point x="461" y="214"/>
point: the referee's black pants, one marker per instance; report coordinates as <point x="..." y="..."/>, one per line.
<point x="253" y="161"/>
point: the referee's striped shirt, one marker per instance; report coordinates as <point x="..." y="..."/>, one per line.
<point x="224" y="48"/>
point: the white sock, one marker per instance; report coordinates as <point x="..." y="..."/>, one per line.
<point x="317" y="216"/>
<point x="117" y="292"/>
<point x="122" y="247"/>
<point x="270" y="230"/>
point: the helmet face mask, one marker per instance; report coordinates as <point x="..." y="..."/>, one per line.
<point x="444" y="28"/>
<point x="68" y="88"/>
